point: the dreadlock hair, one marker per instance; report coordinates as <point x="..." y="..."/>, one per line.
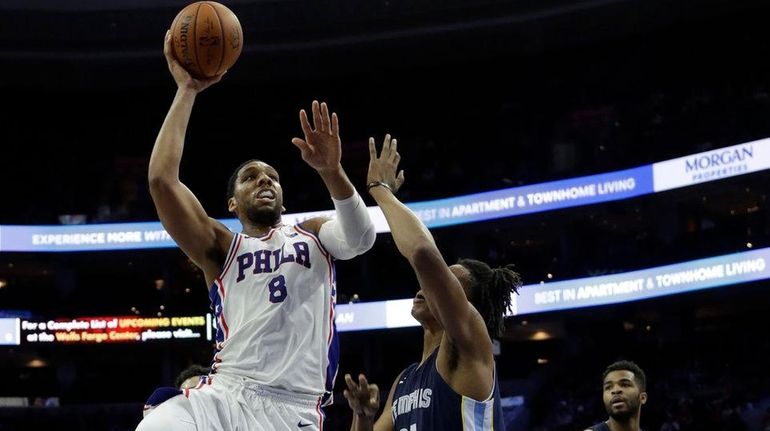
<point x="641" y="379"/>
<point x="490" y="292"/>
<point x="234" y="176"/>
<point x="191" y="371"/>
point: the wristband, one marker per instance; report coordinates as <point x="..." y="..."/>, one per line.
<point x="378" y="183"/>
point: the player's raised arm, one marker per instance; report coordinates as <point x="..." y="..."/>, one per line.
<point x="352" y="232"/>
<point x="449" y="304"/>
<point x="201" y="238"/>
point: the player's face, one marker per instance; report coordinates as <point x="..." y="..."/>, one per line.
<point x="258" y="193"/>
<point x="420" y="309"/>
<point x="622" y="397"/>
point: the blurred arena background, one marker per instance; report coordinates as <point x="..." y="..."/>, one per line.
<point x="482" y="95"/>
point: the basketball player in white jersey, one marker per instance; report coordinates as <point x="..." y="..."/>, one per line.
<point x="272" y="287"/>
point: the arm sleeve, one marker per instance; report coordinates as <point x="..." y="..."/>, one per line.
<point x="352" y="232"/>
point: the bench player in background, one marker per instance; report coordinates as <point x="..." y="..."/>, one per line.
<point x="624" y="392"/>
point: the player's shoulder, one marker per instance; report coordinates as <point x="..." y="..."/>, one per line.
<point x="314" y="224"/>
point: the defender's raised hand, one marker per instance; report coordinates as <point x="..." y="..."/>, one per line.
<point x="321" y="148"/>
<point x="363" y="398"/>
<point x="382" y="169"/>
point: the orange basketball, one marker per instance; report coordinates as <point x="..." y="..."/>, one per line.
<point x="207" y="38"/>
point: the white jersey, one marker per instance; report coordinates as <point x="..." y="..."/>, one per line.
<point x="274" y="305"/>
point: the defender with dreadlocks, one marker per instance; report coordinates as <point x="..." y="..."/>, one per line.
<point x="460" y="307"/>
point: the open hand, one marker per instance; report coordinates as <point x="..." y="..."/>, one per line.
<point x="383" y="168"/>
<point x="321" y="148"/>
<point x="363" y="398"/>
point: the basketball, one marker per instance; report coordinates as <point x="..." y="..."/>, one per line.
<point x="206" y="38"/>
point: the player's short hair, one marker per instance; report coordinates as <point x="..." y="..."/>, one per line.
<point x="639" y="376"/>
<point x="234" y="176"/>
<point x="191" y="371"/>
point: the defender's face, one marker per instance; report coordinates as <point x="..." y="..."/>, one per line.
<point x="420" y="307"/>
<point x="257" y="190"/>
<point x="622" y="397"/>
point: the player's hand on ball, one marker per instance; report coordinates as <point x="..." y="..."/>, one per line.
<point x="363" y="398"/>
<point x="181" y="76"/>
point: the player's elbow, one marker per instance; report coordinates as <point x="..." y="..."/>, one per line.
<point x="160" y="175"/>
<point x="160" y="183"/>
<point x="425" y="257"/>
<point x="358" y="246"/>
<point x="344" y="244"/>
<point x="156" y="182"/>
<point x="367" y="240"/>
<point x="353" y="226"/>
<point x="162" y="189"/>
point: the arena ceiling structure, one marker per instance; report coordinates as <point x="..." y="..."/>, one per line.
<point x="80" y="39"/>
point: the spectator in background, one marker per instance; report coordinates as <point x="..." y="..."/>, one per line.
<point x="190" y="377"/>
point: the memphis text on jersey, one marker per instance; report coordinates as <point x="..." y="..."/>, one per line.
<point x="419" y="399"/>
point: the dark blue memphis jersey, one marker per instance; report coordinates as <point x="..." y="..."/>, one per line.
<point x="600" y="427"/>
<point x="423" y="401"/>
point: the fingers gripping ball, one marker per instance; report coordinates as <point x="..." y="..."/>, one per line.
<point x="206" y="38"/>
